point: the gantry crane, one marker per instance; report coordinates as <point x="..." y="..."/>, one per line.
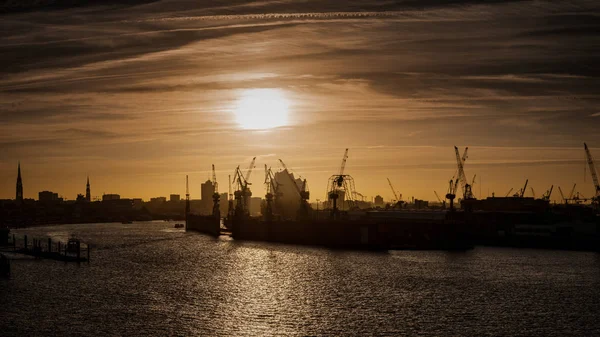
<point x="590" y="161"/>
<point x="216" y="212"/>
<point x="303" y="192"/>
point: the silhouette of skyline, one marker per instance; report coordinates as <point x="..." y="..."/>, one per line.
<point x="142" y="93"/>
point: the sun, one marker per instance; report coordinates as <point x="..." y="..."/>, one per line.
<point x="259" y="109"/>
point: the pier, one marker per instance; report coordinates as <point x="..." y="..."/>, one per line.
<point x="72" y="251"/>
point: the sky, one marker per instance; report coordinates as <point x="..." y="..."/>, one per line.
<point x="139" y="94"/>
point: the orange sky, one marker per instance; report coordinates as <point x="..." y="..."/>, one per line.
<point x="138" y="97"/>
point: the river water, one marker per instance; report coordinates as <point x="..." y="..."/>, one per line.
<point x="150" y="278"/>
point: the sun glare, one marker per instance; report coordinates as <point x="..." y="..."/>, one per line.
<point x="259" y="109"/>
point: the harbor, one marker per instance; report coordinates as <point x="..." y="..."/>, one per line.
<point x="512" y="220"/>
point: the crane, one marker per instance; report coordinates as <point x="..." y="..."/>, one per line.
<point x="508" y="193"/>
<point x="590" y="162"/>
<point x="242" y="194"/>
<point x="303" y="190"/>
<point x="230" y="206"/>
<point x="398" y="198"/>
<point x="344" y="163"/>
<point x="532" y="192"/>
<point x="461" y="173"/>
<point x="250" y="169"/>
<point x="572" y="191"/>
<point x="452" y="192"/>
<point x="341" y="184"/>
<point x="442" y="202"/>
<point x="546" y="196"/>
<point x="521" y="192"/>
<point x="437" y="196"/>
<point x="562" y="195"/>
<point x="271" y="189"/>
<point x="187" y="199"/>
<point x="216" y="212"/>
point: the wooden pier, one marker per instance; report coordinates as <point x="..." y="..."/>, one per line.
<point x="72" y="251"/>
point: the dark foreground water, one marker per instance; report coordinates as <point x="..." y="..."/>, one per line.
<point x="152" y="279"/>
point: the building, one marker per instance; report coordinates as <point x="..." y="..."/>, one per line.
<point x="19" y="195"/>
<point x="378" y="201"/>
<point x="158" y="200"/>
<point x="47" y="196"/>
<point x="174" y="197"/>
<point x="88" y="194"/>
<point x="109" y="197"/>
<point x="138" y="203"/>
<point x="207" y="190"/>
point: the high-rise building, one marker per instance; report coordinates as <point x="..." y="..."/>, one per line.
<point x="19" y="196"/>
<point x="207" y="190"/>
<point x="174" y="197"/>
<point x="88" y="194"/>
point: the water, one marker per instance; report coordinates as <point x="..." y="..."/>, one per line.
<point x="149" y="278"/>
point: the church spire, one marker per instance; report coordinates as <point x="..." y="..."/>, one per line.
<point x="88" y="196"/>
<point x="19" y="195"/>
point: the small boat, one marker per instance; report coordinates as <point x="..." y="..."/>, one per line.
<point x="4" y="266"/>
<point x="179" y="225"/>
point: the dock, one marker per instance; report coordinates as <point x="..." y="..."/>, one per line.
<point x="72" y="251"/>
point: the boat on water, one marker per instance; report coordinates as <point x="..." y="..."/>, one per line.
<point x="179" y="225"/>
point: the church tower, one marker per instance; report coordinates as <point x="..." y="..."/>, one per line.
<point x="19" y="196"/>
<point x="88" y="195"/>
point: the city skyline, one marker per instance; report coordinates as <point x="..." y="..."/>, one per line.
<point x="141" y="95"/>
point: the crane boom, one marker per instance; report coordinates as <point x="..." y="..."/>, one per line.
<point x="393" y="191"/>
<point x="532" y="192"/>
<point x="508" y="193"/>
<point x="247" y="178"/>
<point x="572" y="191"/>
<point x="561" y="194"/>
<point x="214" y="179"/>
<point x="290" y="176"/>
<point x="461" y="173"/>
<point x="437" y="196"/>
<point x="524" y="188"/>
<point x="344" y="162"/>
<point x="590" y="162"/>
